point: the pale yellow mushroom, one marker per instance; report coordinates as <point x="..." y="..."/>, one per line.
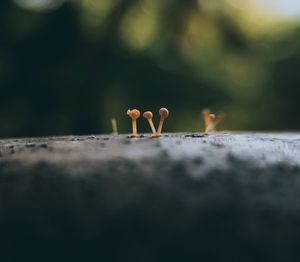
<point x="148" y="115"/>
<point x="164" y="113"/>
<point x="134" y="114"/>
<point x="210" y="125"/>
<point x="114" y="126"/>
<point x="211" y="120"/>
<point x="205" y="114"/>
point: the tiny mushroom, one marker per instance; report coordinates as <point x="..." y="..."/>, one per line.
<point x="211" y="120"/>
<point x="205" y="114"/>
<point x="134" y="114"/>
<point x="148" y="115"/>
<point x="114" y="126"/>
<point x="210" y="126"/>
<point x="164" y="113"/>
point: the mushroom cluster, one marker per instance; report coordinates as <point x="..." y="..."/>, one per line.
<point x="211" y="120"/>
<point x="135" y="114"/>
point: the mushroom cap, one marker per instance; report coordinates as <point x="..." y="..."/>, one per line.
<point x="164" y="112"/>
<point x="212" y="117"/>
<point x="134" y="113"/>
<point x="148" y="115"/>
<point x="205" y="111"/>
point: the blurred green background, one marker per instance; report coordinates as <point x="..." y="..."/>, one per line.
<point x="68" y="67"/>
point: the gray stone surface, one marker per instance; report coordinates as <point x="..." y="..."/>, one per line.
<point x="182" y="197"/>
<point x="80" y="152"/>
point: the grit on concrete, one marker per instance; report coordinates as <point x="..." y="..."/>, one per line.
<point x="181" y="197"/>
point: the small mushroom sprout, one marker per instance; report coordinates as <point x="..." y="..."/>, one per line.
<point x="114" y="126"/>
<point x="148" y="115"/>
<point x="164" y="113"/>
<point x="134" y="114"/>
<point x="211" y="120"/>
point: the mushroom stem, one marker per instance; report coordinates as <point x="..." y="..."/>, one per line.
<point x="205" y="113"/>
<point x="114" y="126"/>
<point x="210" y="128"/>
<point x="160" y="125"/>
<point x="152" y="126"/>
<point x="148" y="115"/>
<point x="134" y="128"/>
<point x="210" y="123"/>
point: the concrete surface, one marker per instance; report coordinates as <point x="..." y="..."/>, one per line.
<point x="182" y="197"/>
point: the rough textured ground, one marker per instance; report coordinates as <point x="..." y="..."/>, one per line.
<point x="182" y="197"/>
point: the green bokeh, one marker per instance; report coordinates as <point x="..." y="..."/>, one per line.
<point x="70" y="67"/>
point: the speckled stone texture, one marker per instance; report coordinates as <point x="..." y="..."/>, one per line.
<point x="182" y="197"/>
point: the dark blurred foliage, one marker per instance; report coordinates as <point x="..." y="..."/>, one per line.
<point x="71" y="67"/>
